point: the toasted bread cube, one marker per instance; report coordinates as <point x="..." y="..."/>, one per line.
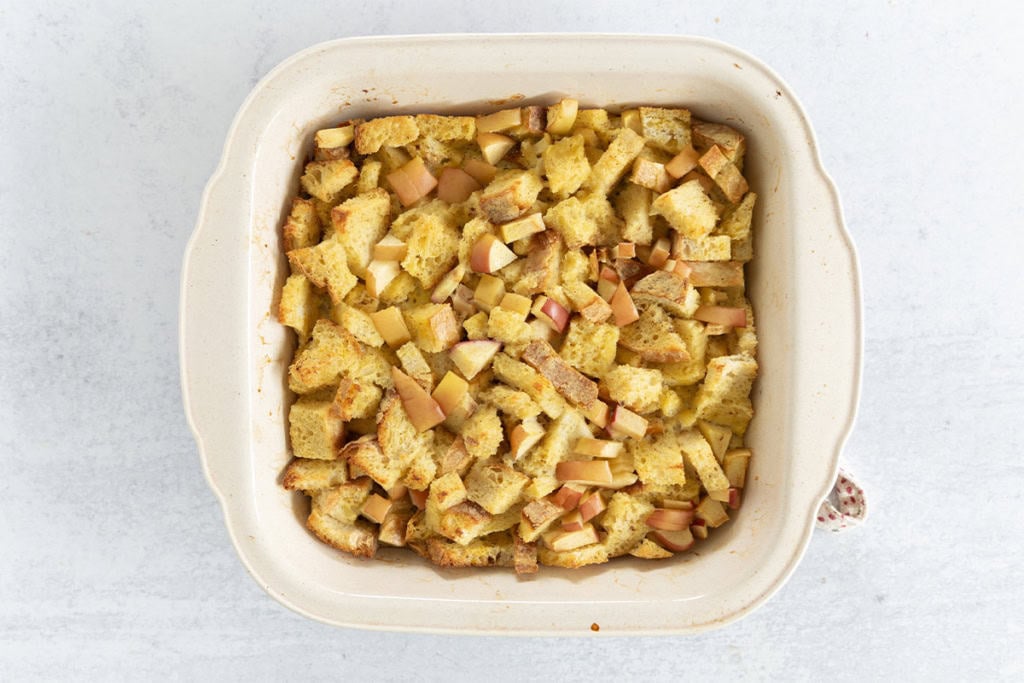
<point x="326" y="179"/>
<point x="590" y="347"/>
<point x="509" y="195"/>
<point x="639" y="389"/>
<point x="387" y="131"/>
<point x="653" y="336"/>
<point x="476" y="326"/>
<point x="330" y="353"/>
<point x="358" y="323"/>
<point x="304" y="474"/>
<point x="541" y="271"/>
<point x="494" y="486"/>
<point x="614" y="162"/>
<point x="356" y="399"/>
<point x="634" y="205"/>
<point x="594" y="553"/>
<point x="666" y="129"/>
<point x="302" y="228"/>
<point x="556" y="445"/>
<point x="359" y="223"/>
<point x="446" y="128"/>
<point x="700" y="456"/>
<point x="433" y="249"/>
<point x="495" y="550"/>
<point x="575" y="268"/>
<point x="357" y="537"/>
<point x="344" y="501"/>
<point x="568" y="381"/>
<point x="658" y="459"/>
<point x="688" y="209"/>
<point x="401" y="446"/>
<point x="538" y="516"/>
<point x="325" y="265"/>
<point x="650" y="174"/>
<point x="591" y="307"/>
<point x="448" y="490"/>
<point x="675" y="294"/>
<point x="299" y="306"/>
<point x="369" y="176"/>
<point x="415" y="365"/>
<point x="625" y="523"/>
<point x="511" y="402"/>
<point x="725" y="174"/>
<point x="566" y="165"/>
<point x="482" y="433"/>
<point x="649" y="550"/>
<point x="710" y="248"/>
<point x="508" y="326"/>
<point x="523" y="377"/>
<point x="731" y="141"/>
<point x="433" y="326"/>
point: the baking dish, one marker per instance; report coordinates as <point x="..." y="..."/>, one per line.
<point x="234" y="355"/>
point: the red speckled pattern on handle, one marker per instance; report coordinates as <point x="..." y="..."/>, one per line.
<point x="845" y="506"/>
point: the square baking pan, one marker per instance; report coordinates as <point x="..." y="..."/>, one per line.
<point x="803" y="284"/>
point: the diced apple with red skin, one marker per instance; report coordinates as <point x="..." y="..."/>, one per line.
<point x="598" y="448"/>
<point x="623" y="309"/>
<point x="424" y="412"/>
<point x="379" y="275"/>
<point x="721" y="315"/>
<point x="470" y="357"/>
<point x="390" y="248"/>
<point x="572" y="521"/>
<point x="447" y="285"/>
<point x="669" y="519"/>
<point x="591" y="506"/>
<point x="522" y="227"/>
<point x="556" y="315"/>
<point x="462" y="301"/>
<point x="494" y="146"/>
<point x="570" y="540"/>
<point x="391" y="325"/>
<point x="592" y="472"/>
<point x="450" y="392"/>
<point x="712" y="512"/>
<point x="376" y="508"/>
<point x="626" y="423"/>
<point x="412" y="182"/>
<point x="524" y="436"/>
<point x="568" y="497"/>
<point x="699" y="531"/>
<point x="481" y="171"/>
<point x="489" y="255"/>
<point x="735" y="466"/>
<point x="625" y="250"/>
<point x="676" y="541"/>
<point x="734" y="498"/>
<point x="455" y="185"/>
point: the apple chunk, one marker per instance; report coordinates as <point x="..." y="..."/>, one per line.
<point x="391" y="325"/>
<point x="570" y="540"/>
<point x="626" y="423"/>
<point x="721" y="315"/>
<point x="481" y="171"/>
<point x="524" y="436"/>
<point x="412" y="182"/>
<point x="669" y="519"/>
<point x="592" y="472"/>
<point x="598" y="448"/>
<point x="676" y="541"/>
<point x="450" y="392"/>
<point x="489" y="255"/>
<point x="470" y="357"/>
<point x="494" y="146"/>
<point x="562" y="116"/>
<point x="522" y="227"/>
<point x="572" y="521"/>
<point x="554" y="314"/>
<point x="591" y="506"/>
<point x="623" y="309"/>
<point x="424" y="412"/>
<point x="447" y="285"/>
<point x="390" y="248"/>
<point x="499" y="120"/>
<point x="379" y="274"/>
<point x="455" y="185"/>
<point x="568" y="497"/>
<point x="376" y="508"/>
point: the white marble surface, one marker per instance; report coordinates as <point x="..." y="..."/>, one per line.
<point x="114" y="562"/>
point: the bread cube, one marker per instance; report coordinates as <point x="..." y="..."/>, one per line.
<point x="446" y="128"/>
<point x="299" y="307"/>
<point x="525" y="378"/>
<point x="509" y="195"/>
<point x="359" y="223"/>
<point x="358" y="323"/>
<point x="304" y="474"/>
<point x="330" y="353"/>
<point x="482" y="433"/>
<point x="700" y="456"/>
<point x="688" y="209"/>
<point x="639" y="389"/>
<point x="668" y="290"/>
<point x="493" y="551"/>
<point x="658" y="459"/>
<point x="515" y="404"/>
<point x="594" y="553"/>
<point x="614" y="162"/>
<point x="433" y="326"/>
<point x="508" y="326"/>
<point x="731" y="141"/>
<point x="653" y="336"/>
<point x="302" y="228"/>
<point x="634" y="205"/>
<point x="590" y="347"/>
<point x="343" y="502"/>
<point x="325" y="265"/>
<point x="433" y="249"/>
<point x="625" y="522"/>
<point x="358" y="538"/>
<point x="369" y="176"/>
<point x="387" y="131"/>
<point x="666" y="129"/>
<point x="543" y="260"/>
<point x="566" y="166"/>
<point x="326" y="179"/>
<point x="494" y="486"/>
<point x="556" y="445"/>
<point x="356" y="399"/>
<point x="415" y="365"/>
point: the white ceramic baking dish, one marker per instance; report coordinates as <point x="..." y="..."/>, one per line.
<point x="234" y="355"/>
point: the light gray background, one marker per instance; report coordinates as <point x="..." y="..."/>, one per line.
<point x="114" y="561"/>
